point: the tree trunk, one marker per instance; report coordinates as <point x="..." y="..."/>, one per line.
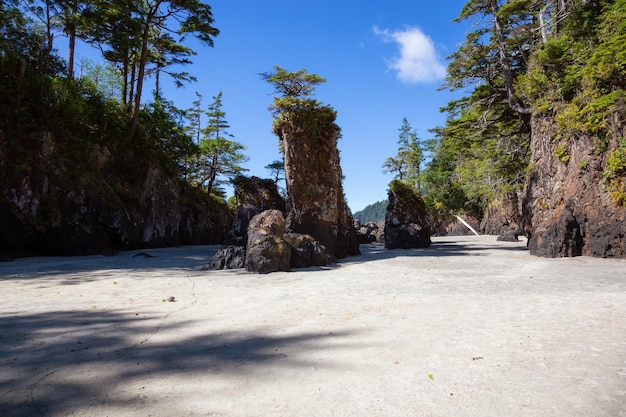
<point x="70" y="52"/>
<point x="140" y="76"/>
<point x="143" y="61"/>
<point x="505" y="63"/>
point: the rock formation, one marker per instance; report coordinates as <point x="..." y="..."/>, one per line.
<point x="266" y="250"/>
<point x="254" y="195"/>
<point x="315" y="200"/>
<point x="405" y="222"/>
<point x="567" y="209"/>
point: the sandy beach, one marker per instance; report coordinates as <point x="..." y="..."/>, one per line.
<point x="467" y="327"/>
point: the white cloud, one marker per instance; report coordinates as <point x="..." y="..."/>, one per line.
<point x="418" y="61"/>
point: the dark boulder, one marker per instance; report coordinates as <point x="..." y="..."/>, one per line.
<point x="509" y="236"/>
<point x="306" y="251"/>
<point x="230" y="257"/>
<point x="562" y="238"/>
<point x="405" y="222"/>
<point x="266" y="250"/>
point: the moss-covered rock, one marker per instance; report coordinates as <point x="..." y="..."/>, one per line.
<point x="405" y="222"/>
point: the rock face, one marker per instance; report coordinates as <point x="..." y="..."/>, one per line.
<point x="405" y="222"/>
<point x="79" y="216"/>
<point x="456" y="228"/>
<point x="266" y="250"/>
<point x="566" y="208"/>
<point x="254" y="195"/>
<point x="503" y="216"/>
<point x="315" y="200"/>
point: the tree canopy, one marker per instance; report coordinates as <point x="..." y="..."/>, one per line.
<point x="563" y="59"/>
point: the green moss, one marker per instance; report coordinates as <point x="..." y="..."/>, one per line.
<point x="616" y="163"/>
<point x="562" y="153"/>
<point x="406" y="194"/>
<point x="615" y="173"/>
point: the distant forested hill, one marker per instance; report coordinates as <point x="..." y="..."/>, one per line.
<point x="373" y="213"/>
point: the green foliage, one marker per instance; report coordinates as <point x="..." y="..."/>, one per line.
<point x="103" y="78"/>
<point x="579" y="76"/>
<point x="217" y="158"/>
<point x="574" y="72"/>
<point x="65" y="135"/>
<point x="294" y="89"/>
<point x="294" y="104"/>
<point x="166" y="135"/>
<point x="407" y="163"/>
<point x="277" y="172"/>
<point x="406" y="194"/>
<point x="616" y="163"/>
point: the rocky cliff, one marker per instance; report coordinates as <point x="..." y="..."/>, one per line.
<point x="55" y="206"/>
<point x="570" y="206"/>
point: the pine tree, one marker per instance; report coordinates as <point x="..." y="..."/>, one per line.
<point x="219" y="157"/>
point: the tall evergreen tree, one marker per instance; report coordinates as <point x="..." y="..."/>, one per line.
<point x="219" y="158"/>
<point x="407" y="162"/>
<point x="145" y="37"/>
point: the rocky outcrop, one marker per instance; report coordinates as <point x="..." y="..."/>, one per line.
<point x="254" y="195"/>
<point x="266" y="250"/>
<point x="405" y="222"/>
<point x="315" y="202"/>
<point x="567" y="210"/>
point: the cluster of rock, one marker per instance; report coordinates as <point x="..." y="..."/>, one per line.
<point x="369" y="232"/>
<point x="318" y="226"/>
<point x="270" y="249"/>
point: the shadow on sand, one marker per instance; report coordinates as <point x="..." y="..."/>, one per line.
<point x="53" y="361"/>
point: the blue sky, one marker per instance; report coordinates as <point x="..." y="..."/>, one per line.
<point x="383" y="61"/>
